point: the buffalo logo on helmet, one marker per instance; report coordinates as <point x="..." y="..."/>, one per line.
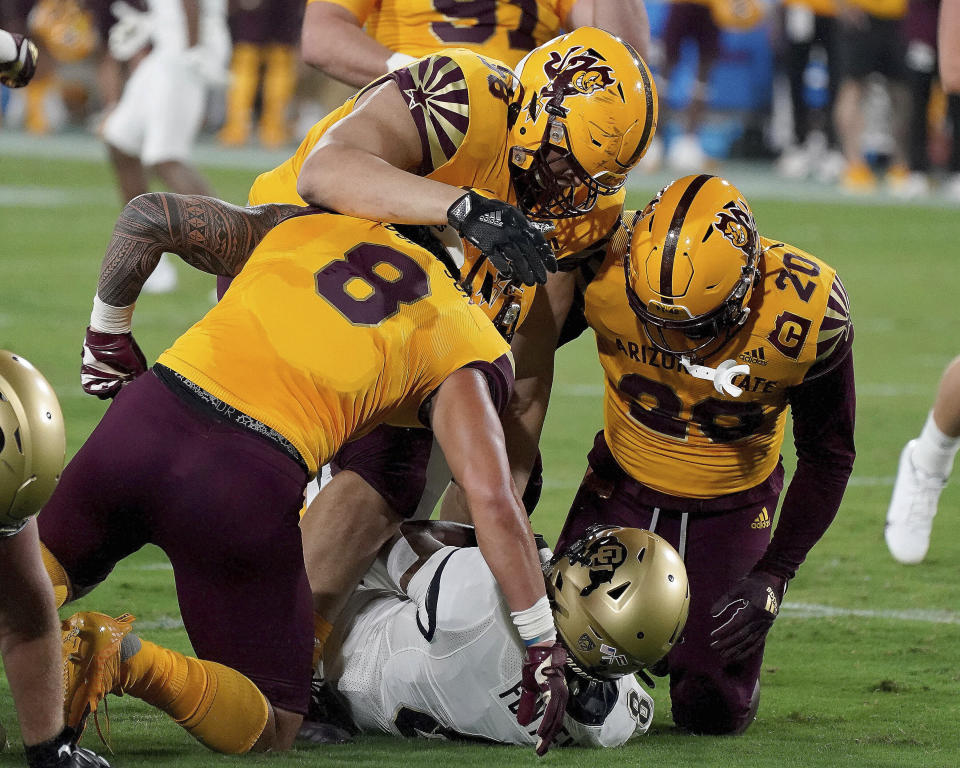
<point x="735" y="223"/>
<point x="603" y="556"/>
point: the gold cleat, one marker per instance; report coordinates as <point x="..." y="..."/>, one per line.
<point x="91" y="663"/>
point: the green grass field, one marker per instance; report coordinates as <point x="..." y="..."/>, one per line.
<point x="863" y="666"/>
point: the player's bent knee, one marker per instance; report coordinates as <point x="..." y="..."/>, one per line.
<point x="702" y="706"/>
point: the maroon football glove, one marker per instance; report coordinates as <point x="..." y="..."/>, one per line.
<point x="745" y="614"/>
<point x="18" y="72"/>
<point x="543" y="677"/>
<point x="108" y="361"/>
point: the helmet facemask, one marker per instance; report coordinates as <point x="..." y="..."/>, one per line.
<point x="691" y="266"/>
<point x="697" y="338"/>
<point x="550" y="183"/>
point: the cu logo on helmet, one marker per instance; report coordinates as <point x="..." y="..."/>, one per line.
<point x="573" y="74"/>
<point x="736" y="225"/>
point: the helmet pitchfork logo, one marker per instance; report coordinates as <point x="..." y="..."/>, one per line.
<point x="577" y="73"/>
<point x="735" y="223"/>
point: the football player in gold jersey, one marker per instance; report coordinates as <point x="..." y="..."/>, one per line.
<point x="557" y="137"/>
<point x="357" y="41"/>
<point x="333" y="326"/>
<point x="707" y="333"/>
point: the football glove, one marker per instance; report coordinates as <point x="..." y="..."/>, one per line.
<point x="17" y="72"/>
<point x="515" y="246"/>
<point x="745" y="614"/>
<point x="108" y="361"/>
<point x="132" y="32"/>
<point x="544" y="678"/>
<point x="206" y="65"/>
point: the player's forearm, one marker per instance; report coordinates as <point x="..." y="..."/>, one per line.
<point x="627" y="19"/>
<point x="340" y="48"/>
<point x="191" y="11"/>
<point x="948" y="38"/>
<point x="523" y="424"/>
<point x="466" y="426"/>
<point x="29" y="636"/>
<point x="209" y="234"/>
<point x="506" y="541"/>
<point x="823" y="431"/>
<point x="357" y="183"/>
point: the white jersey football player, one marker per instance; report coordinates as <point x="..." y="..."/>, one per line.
<point x="438" y="656"/>
<point x="161" y="110"/>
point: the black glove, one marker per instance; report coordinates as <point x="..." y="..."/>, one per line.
<point x="108" y="361"/>
<point x="745" y="614"/>
<point x="543" y="676"/>
<point x="62" y="752"/>
<point x="515" y="247"/>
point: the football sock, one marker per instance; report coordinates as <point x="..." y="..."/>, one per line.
<point x="321" y="631"/>
<point x="279" y="81"/>
<point x="36" y="120"/>
<point x="217" y="705"/>
<point x="244" y="78"/>
<point x="58" y="576"/>
<point x="934" y="451"/>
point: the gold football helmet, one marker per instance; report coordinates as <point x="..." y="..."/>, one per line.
<point x="584" y="114"/>
<point x="692" y="264"/>
<point x="620" y="598"/>
<point x="32" y="440"/>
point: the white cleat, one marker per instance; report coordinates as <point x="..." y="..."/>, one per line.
<point x="912" y="509"/>
<point x="164" y="277"/>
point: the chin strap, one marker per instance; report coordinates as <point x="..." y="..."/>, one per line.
<point x="721" y="376"/>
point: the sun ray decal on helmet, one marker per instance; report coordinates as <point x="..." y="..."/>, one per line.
<point x="436" y="93"/>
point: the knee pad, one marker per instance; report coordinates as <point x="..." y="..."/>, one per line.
<point x="700" y="705"/>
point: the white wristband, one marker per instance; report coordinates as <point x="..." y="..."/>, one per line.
<point x="397" y="60"/>
<point x="535" y="624"/>
<point x="108" y="319"/>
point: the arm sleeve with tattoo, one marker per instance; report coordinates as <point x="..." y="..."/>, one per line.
<point x="208" y="234"/>
<point x="823" y="421"/>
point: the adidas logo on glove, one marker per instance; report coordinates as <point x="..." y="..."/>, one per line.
<point x="493" y="218"/>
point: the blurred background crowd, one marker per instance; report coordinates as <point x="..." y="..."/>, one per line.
<point x="841" y="91"/>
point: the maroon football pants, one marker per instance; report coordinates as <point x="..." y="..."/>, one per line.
<point x="222" y="504"/>
<point x="708" y="695"/>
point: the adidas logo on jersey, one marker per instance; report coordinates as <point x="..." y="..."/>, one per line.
<point x="756" y="356"/>
<point x="763" y="520"/>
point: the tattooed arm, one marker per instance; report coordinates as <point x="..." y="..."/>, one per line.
<point x="208" y="234"/>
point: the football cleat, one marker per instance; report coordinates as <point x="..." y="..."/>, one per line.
<point x="913" y="506"/>
<point x="91" y="663"/>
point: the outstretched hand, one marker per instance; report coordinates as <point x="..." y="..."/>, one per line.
<point x="745" y="614"/>
<point x="544" y="678"/>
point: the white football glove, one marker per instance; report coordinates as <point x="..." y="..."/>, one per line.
<point x="207" y="65"/>
<point x="132" y="32"/>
